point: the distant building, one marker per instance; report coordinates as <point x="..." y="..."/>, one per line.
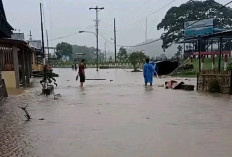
<point x="37" y="57"/>
<point x="154" y="49"/>
<point x="17" y="36"/>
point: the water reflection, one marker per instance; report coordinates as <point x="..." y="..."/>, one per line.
<point x="116" y="118"/>
<point x="148" y="88"/>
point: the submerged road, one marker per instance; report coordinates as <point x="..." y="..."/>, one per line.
<point x="119" y="118"/>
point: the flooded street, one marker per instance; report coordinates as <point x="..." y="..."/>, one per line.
<point x="118" y="117"/>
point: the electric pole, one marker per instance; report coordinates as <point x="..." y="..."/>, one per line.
<point x="41" y="14"/>
<point x="115" y="43"/>
<point x="105" y="51"/>
<point x="48" y="46"/>
<point x="97" y="22"/>
<point x="146" y="31"/>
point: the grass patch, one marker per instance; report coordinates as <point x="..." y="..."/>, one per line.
<point x="207" y="66"/>
<point x="185" y="73"/>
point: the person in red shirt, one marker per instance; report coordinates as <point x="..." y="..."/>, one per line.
<point x="81" y="72"/>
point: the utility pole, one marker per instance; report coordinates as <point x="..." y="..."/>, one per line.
<point x="97" y="22"/>
<point x="48" y="46"/>
<point x="105" y="51"/>
<point x="115" y="43"/>
<point x="41" y="14"/>
<point x="146" y="31"/>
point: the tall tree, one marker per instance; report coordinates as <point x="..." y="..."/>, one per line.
<point x="136" y="59"/>
<point x="122" y="55"/>
<point x="64" y="49"/>
<point x="173" y="21"/>
<point x="58" y="55"/>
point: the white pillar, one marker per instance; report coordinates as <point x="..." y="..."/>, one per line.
<point x="225" y="65"/>
<point x="202" y="66"/>
<point x="212" y="66"/>
<point x="44" y="61"/>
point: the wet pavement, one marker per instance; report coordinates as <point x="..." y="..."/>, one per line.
<point x="117" y="118"/>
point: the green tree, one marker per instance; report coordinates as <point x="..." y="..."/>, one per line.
<point x="173" y="21"/>
<point x="58" y="55"/>
<point x="136" y="59"/>
<point x="122" y="55"/>
<point x="64" y="50"/>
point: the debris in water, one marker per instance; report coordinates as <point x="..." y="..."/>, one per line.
<point x="57" y="96"/>
<point x="26" y="112"/>
<point x="178" y="85"/>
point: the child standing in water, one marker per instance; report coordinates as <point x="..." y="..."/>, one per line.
<point x="148" y="72"/>
<point x="81" y="72"/>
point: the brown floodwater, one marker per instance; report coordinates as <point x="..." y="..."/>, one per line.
<point x="117" y="118"/>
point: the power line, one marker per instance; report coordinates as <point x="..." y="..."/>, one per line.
<point x="72" y="34"/>
<point x="143" y="44"/>
<point x="146" y="43"/>
<point x="153" y="41"/>
<point x="156" y="11"/>
<point x="226" y="4"/>
<point x="62" y="37"/>
<point x="138" y="45"/>
<point x="161" y="8"/>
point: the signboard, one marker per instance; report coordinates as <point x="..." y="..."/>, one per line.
<point x="35" y="44"/>
<point x="198" y="28"/>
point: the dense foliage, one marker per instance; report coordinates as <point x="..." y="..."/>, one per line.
<point x="122" y="55"/>
<point x="174" y="19"/>
<point x="64" y="50"/>
<point x="136" y="59"/>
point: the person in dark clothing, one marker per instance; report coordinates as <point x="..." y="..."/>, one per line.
<point x="81" y="72"/>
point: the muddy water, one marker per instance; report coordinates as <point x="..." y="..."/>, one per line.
<point x="118" y="118"/>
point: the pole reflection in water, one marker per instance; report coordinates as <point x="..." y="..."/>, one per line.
<point x="116" y="118"/>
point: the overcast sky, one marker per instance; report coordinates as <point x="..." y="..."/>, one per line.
<point x="67" y="17"/>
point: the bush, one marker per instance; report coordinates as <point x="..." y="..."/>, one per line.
<point x="229" y="67"/>
<point x="214" y="86"/>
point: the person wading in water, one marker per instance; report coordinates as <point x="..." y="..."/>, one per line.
<point x="148" y="72"/>
<point x="81" y="72"/>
